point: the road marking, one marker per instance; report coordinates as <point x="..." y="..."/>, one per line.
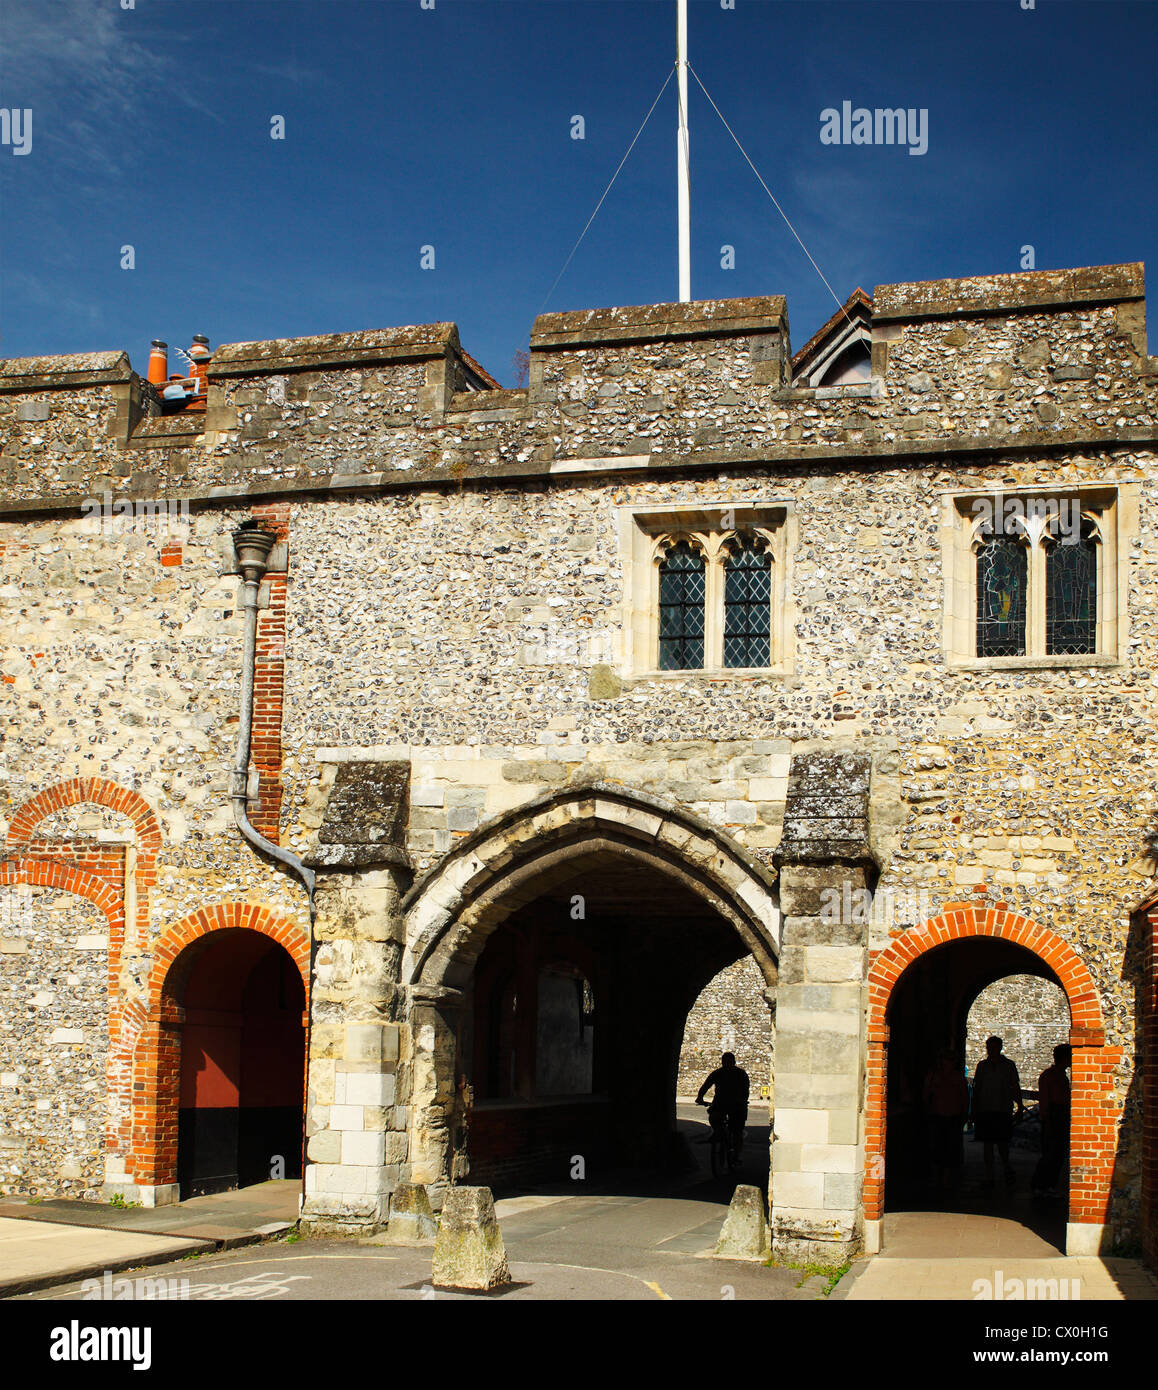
<point x="237" y="1264"/>
<point x="591" y="1269"/>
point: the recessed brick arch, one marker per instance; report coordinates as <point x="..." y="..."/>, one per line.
<point x="98" y="791"/>
<point x="152" y="1035"/>
<point x="111" y="861"/>
<point x="120" y="871"/>
<point x="1094" y="1112"/>
<point x="47" y="873"/>
<point x="452" y="908"/>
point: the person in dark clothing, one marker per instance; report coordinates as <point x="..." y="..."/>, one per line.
<point x="996" y="1096"/>
<point x="1053" y="1088"/>
<point x="947" y="1106"/>
<point x="730" y="1102"/>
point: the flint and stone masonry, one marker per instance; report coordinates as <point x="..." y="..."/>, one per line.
<point x="534" y="848"/>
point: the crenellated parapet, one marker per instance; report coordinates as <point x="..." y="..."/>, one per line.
<point x="986" y="365"/>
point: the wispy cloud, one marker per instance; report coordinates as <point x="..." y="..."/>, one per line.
<point x="92" y="59"/>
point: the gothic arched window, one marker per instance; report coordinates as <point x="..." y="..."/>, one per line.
<point x="748" y="603"/>
<point x="1002" y="586"/>
<point x="1071" y="595"/>
<point x="682" y="591"/>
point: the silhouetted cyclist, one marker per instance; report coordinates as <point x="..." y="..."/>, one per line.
<point x="729" y="1104"/>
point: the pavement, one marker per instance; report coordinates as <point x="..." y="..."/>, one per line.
<point x="968" y="1256"/>
<point x="634" y="1238"/>
<point x="990" y="1243"/>
<point x="60" y="1240"/>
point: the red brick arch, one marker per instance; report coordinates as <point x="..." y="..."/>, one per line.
<point x="99" y="792"/>
<point x="47" y="873"/>
<point x="1094" y="1113"/>
<point x="104" y="869"/>
<point x="153" y="1034"/>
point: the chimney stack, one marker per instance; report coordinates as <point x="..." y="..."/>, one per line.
<point x="199" y="372"/>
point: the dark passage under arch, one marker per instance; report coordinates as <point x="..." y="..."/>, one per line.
<point x="572" y="1023"/>
<point x="242" y="1064"/>
<point x="929" y="1012"/>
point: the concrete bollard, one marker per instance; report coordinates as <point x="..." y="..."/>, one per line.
<point x="745" y="1232"/>
<point x="468" y="1250"/>
<point x="411" y="1219"/>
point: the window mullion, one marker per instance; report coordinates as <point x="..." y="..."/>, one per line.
<point x="1035" y="637"/>
<point x="714" y="609"/>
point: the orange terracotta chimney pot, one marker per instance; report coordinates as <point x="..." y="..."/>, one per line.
<point x="158" y="362"/>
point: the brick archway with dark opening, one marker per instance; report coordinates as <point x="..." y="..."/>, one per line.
<point x="1094" y="1112"/>
<point x="156" y="1032"/>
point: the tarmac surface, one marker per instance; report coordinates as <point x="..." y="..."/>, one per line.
<point x="626" y="1239"/>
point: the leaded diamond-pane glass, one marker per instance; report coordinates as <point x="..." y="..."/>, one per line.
<point x="1002" y="573"/>
<point x="1071" y="598"/>
<point x="748" y="608"/>
<point x="682" y="588"/>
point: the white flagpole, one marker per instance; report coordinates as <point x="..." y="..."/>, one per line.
<point x="683" y="155"/>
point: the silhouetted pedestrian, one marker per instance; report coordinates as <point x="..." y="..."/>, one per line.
<point x="1053" y="1088"/>
<point x="996" y="1096"/>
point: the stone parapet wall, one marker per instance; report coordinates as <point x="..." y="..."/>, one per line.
<point x="650" y="387"/>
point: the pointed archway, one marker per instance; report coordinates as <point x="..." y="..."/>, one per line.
<point x="667" y="901"/>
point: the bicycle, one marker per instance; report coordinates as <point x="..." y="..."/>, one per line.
<point x="726" y="1142"/>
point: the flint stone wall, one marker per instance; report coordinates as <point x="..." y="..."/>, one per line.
<point x="53" y="1043"/>
<point x="1030" y="1015"/>
<point x="731" y="1015"/>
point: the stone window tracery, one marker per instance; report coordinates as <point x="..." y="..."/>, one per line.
<point x="707" y="588"/>
<point x="1035" y="578"/>
<point x="715" y="598"/>
<point x="682" y="591"/>
<point x="1071" y="593"/>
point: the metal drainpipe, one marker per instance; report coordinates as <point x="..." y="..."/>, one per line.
<point x="252" y="546"/>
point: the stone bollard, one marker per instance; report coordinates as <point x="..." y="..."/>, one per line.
<point x="745" y="1232"/>
<point x="411" y="1220"/>
<point x="468" y="1250"/>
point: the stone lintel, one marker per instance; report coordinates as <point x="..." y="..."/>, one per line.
<point x="356" y="858"/>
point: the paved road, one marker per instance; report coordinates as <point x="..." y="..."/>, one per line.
<point x="631" y="1239"/>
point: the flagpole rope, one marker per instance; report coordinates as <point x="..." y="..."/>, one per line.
<point x="607" y="190"/>
<point x="769" y="192"/>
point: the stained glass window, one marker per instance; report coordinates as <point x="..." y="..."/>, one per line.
<point x="1071" y="597"/>
<point x="747" y="605"/>
<point x="1002" y="574"/>
<point x="682" y="589"/>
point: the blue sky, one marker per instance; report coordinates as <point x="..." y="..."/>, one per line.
<point x="407" y="127"/>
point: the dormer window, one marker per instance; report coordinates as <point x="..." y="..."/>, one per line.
<point x="840" y="353"/>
